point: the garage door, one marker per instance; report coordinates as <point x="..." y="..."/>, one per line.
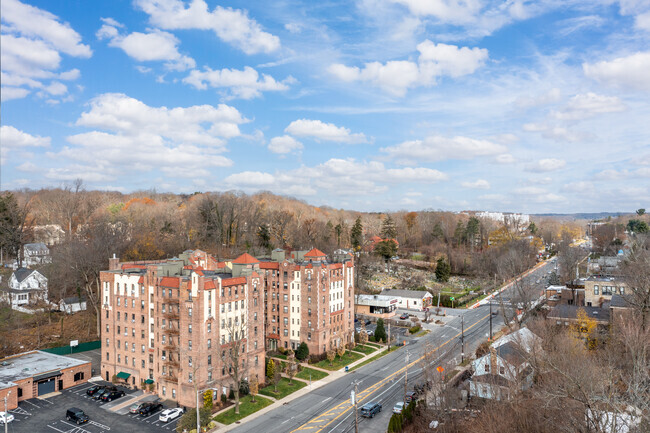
<point x="46" y="386"/>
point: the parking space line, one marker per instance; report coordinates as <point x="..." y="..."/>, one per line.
<point x="52" y="427"/>
<point x="29" y="402"/>
<point x="75" y="428"/>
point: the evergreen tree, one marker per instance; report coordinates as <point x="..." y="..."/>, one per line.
<point x="356" y="234"/>
<point x="443" y="270"/>
<point x="264" y="236"/>
<point x="437" y="232"/>
<point x="302" y="352"/>
<point x="270" y="369"/>
<point x="380" y="332"/>
<point x="388" y="228"/>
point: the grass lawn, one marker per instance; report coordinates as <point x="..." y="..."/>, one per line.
<point x="278" y="355"/>
<point x="373" y="345"/>
<point x="367" y="349"/>
<point x="339" y="363"/>
<point x="315" y="374"/>
<point x="422" y="333"/>
<point x="245" y="408"/>
<point x="284" y="389"/>
<point x="374" y="358"/>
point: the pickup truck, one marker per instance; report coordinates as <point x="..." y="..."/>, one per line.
<point x="369" y="410"/>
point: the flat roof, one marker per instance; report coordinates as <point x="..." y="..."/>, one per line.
<point x="376" y="300"/>
<point x="29" y="364"/>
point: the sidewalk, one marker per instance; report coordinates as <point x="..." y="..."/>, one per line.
<point x="333" y="375"/>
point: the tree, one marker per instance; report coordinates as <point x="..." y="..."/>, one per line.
<point x="637" y="226"/>
<point x="270" y="369"/>
<point x="356" y="234"/>
<point x="331" y="354"/>
<point x="437" y="232"/>
<point x="340" y="351"/>
<point x="188" y="420"/>
<point x="386" y="249"/>
<point x="264" y="237"/>
<point x="380" y="332"/>
<point x="302" y="352"/>
<point x="640" y="212"/>
<point x="636" y="269"/>
<point x="233" y="357"/>
<point x="13" y="224"/>
<point x="388" y="228"/>
<point x="207" y="399"/>
<point x="292" y="368"/>
<point x="277" y="376"/>
<point x="443" y="270"/>
<point x="254" y="388"/>
<point x="532" y="228"/>
<point x="472" y="230"/>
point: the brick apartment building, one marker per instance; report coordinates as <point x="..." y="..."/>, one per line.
<point x="173" y="324"/>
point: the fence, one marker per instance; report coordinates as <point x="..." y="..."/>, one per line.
<point x="82" y="347"/>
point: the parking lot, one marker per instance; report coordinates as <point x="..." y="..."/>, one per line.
<point x="49" y="415"/>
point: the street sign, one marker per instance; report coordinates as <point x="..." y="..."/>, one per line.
<point x="452" y="298"/>
<point x="351" y="398"/>
<point x="74" y="343"/>
<point x="440" y="369"/>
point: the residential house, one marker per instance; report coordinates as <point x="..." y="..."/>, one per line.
<point x="569" y="295"/>
<point x="505" y="369"/>
<point x="567" y="315"/>
<point x="26" y="286"/>
<point x="36" y="254"/>
<point x="72" y="304"/>
<point x="599" y="290"/>
<point x="410" y="299"/>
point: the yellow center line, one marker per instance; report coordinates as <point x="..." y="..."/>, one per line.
<point x="346" y="405"/>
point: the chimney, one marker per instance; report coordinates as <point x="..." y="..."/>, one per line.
<point x="493" y="361"/>
<point x="113" y="263"/>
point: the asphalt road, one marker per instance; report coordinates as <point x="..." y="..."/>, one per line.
<point x="328" y="409"/>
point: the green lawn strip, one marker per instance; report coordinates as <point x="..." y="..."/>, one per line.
<point x="422" y="333"/>
<point x="284" y="389"/>
<point x="315" y="374"/>
<point x="339" y="363"/>
<point x="246" y="407"/>
<point x="373" y="345"/>
<point x="374" y="358"/>
<point x="278" y="355"/>
<point x="364" y="349"/>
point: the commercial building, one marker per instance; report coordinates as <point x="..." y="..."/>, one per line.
<point x="376" y="305"/>
<point x="192" y="322"/>
<point x="410" y="299"/>
<point x="32" y="374"/>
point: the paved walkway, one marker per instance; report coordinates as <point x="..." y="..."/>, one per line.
<point x="332" y="376"/>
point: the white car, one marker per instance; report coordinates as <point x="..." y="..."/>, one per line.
<point x="170" y="414"/>
<point x="399" y="407"/>
<point x="6" y="417"/>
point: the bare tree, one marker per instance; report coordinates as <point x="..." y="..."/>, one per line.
<point x="233" y="357"/>
<point x="637" y="274"/>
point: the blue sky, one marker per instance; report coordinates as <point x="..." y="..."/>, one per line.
<point x="530" y="106"/>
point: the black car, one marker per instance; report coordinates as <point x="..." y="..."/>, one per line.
<point x="94" y="390"/>
<point x="112" y="395"/>
<point x="76" y="415"/>
<point x="107" y="389"/>
<point x="150" y="408"/>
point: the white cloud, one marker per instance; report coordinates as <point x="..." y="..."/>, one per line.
<point x="553" y="132"/>
<point x="538" y="195"/>
<point x="284" y="144"/>
<point x="396" y="77"/>
<point x="414" y="194"/>
<point x="629" y="72"/>
<point x="547" y="164"/>
<point x="14" y="139"/>
<point x="588" y="105"/>
<point x="147" y="47"/>
<point x="32" y="40"/>
<point x="245" y="84"/>
<point x="642" y="22"/>
<point x="250" y="178"/>
<point x="293" y="27"/>
<point x="131" y="136"/>
<point x="550" y="97"/>
<point x="477" y="184"/>
<point x="505" y="158"/>
<point x="437" y="148"/>
<point x="323" y="131"/>
<point x="230" y="25"/>
<point x="611" y="174"/>
<point x="408" y="201"/>
<point x="418" y="174"/>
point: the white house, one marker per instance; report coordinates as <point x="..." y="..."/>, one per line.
<point x="26" y="286"/>
<point x="410" y="299"/>
<point x="505" y="369"/>
<point x="72" y="304"/>
<point x="36" y="254"/>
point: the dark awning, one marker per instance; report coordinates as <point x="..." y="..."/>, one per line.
<point x="148" y="381"/>
<point x="47" y="375"/>
<point x="123" y="375"/>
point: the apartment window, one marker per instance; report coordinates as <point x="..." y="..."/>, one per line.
<point x="242" y="304"/>
<point x="107" y="356"/>
<point x="622" y="289"/>
<point x="255" y="302"/>
<point x="223" y="339"/>
<point x="142" y="364"/>
<point x="286" y="321"/>
<point x="286" y="333"/>
<point x="209" y="376"/>
<point x="189" y="361"/>
<point x="487" y="368"/>
<point x="119" y="358"/>
<point x="209" y="328"/>
<point x="189" y="312"/>
<point x="165" y="390"/>
<point x="132" y="332"/>
<point x="285" y="286"/>
<point x="286" y="309"/>
<point x="107" y="342"/>
<point x="118" y="344"/>
<point x="118" y="315"/>
<point x="132" y="303"/>
<point x="189" y="296"/>
<point x="502" y="370"/>
<point x="285" y="297"/>
<point x="257" y="360"/>
<point x="143" y="348"/>
<point x="189" y="344"/>
<point x="255" y="314"/>
<point x="236" y="305"/>
<point x="309" y="336"/>
<point x="189" y="328"/>
<point x="118" y="302"/>
<point x="255" y="331"/>
<point x="209" y="359"/>
<point x="309" y="323"/>
<point x="229" y="306"/>
<point x="595" y="291"/>
<point x="107" y="314"/>
<point x="309" y="299"/>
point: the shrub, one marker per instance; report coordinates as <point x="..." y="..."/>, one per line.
<point x="244" y="388"/>
<point x="395" y="423"/>
<point x="302" y="352"/>
<point x="415" y="329"/>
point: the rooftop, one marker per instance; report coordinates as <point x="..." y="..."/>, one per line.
<point x="29" y="364"/>
<point x="563" y="311"/>
<point x="416" y="294"/>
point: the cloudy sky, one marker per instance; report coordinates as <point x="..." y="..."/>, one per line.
<point x="532" y="106"/>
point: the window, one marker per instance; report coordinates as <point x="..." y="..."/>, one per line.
<point x="107" y="356"/>
<point x="189" y="378"/>
<point x="165" y="391"/>
<point x="79" y="376"/>
<point x="119" y="358"/>
<point x="242" y="303"/>
<point x="107" y="342"/>
<point x="595" y="290"/>
<point x="189" y="312"/>
<point x="309" y="299"/>
<point x="118" y="302"/>
<point x="223" y="308"/>
<point x="487" y="368"/>
<point x="209" y="328"/>
<point x="107" y="314"/>
<point x="209" y="359"/>
<point x="286" y="321"/>
<point x="189" y="361"/>
<point x="189" y="328"/>
<point x="255" y="302"/>
<point x="118" y="315"/>
<point x="143" y="349"/>
<point x="286" y="309"/>
<point x="209" y="376"/>
<point x="173" y="393"/>
<point x="285" y="298"/>
<point x="189" y="344"/>
<point x="209" y="343"/>
<point x="286" y="333"/>
<point x="502" y="370"/>
<point x="622" y="289"/>
<point x="255" y="314"/>
<point x="118" y="344"/>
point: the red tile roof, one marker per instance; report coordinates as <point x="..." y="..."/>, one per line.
<point x="141" y="280"/>
<point x="227" y="282"/>
<point x="170" y="282"/>
<point x="133" y="266"/>
<point x="315" y="253"/>
<point x="269" y="265"/>
<point x="209" y="285"/>
<point x="336" y="266"/>
<point x="245" y="259"/>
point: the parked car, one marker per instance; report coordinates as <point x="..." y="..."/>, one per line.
<point x="150" y="408"/>
<point x="112" y="395"/>
<point x="371" y="332"/>
<point x="170" y="414"/>
<point x="404" y="316"/>
<point x="107" y="389"/>
<point x="399" y="406"/>
<point x="368" y="322"/>
<point x="76" y="415"/>
<point x="369" y="410"/>
<point x="6" y="418"/>
<point x="94" y="390"/>
<point x="135" y="407"/>
<point x="410" y="396"/>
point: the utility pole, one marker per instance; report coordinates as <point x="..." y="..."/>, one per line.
<point x="462" y="338"/>
<point x="388" y="335"/>
<point x="356" y="417"/>
<point x="198" y="418"/>
<point x="5" y="420"/>
<point x="490" y="319"/>
<point x="406" y="375"/>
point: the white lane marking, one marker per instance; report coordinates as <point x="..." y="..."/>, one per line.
<point x="327" y="399"/>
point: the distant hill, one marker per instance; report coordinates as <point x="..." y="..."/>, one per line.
<point x="582" y="216"/>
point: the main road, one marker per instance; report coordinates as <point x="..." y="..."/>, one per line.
<point x="328" y="408"/>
